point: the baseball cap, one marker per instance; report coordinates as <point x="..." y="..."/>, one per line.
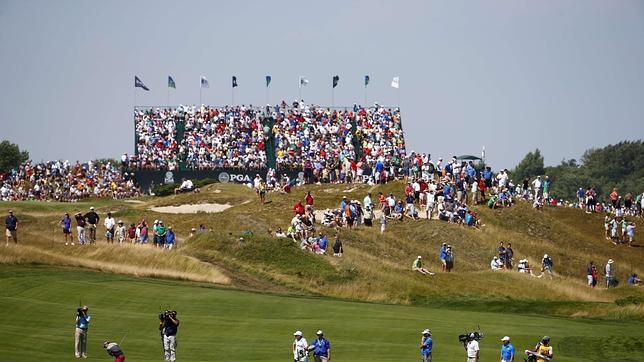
<point x="545" y="339"/>
<point x="298" y="333"/>
<point x="427" y="331"/>
<point x="319" y="332"/>
<point x="420" y="257"/>
<point x="11" y="211"/>
<point x="91" y="208"/>
<point x="506" y="338"/>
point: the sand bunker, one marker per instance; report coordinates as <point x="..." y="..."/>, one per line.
<point x="191" y="208"/>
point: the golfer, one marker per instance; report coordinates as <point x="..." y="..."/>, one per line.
<point x="426" y="345"/>
<point x="322" y="348"/>
<point x="507" y="350"/>
<point x="300" y="348"/>
<point x="114" y="350"/>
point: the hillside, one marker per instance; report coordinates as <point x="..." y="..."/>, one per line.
<point x="374" y="268"/>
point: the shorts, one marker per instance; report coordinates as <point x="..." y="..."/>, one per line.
<point x="320" y="359"/>
<point x="590" y="280"/>
<point x="426" y="357"/>
<point x="67" y="231"/>
<point x="11" y="234"/>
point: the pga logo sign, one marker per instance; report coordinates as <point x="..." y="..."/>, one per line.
<point x="225" y="177"/>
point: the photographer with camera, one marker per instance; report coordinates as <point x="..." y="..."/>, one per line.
<point x="80" y="337"/>
<point x="168" y="326"/>
<point x="472" y="347"/>
<point x="426" y="345"/>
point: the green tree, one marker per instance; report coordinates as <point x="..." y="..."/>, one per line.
<point x="11" y="156"/>
<point x="531" y="166"/>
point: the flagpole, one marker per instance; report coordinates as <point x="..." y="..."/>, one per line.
<point x="332" y="96"/>
<point x="168" y="97"/>
<point x="365" y="96"/>
<point x="233" y="95"/>
<point x="266" y="95"/>
<point x="200" y="89"/>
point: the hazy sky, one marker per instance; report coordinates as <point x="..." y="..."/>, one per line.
<point x="511" y="75"/>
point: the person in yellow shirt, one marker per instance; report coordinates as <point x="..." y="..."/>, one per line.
<point x="544" y="349"/>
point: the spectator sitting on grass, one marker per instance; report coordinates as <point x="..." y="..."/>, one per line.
<point x="634" y="280"/>
<point x="279" y="233"/>
<point x="496" y="264"/>
<point x="186" y="186"/>
<point x="418" y="266"/>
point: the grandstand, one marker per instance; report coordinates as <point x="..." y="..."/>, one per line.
<point x="233" y="143"/>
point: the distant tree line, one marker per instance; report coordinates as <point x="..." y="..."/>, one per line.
<point x="618" y="166"/>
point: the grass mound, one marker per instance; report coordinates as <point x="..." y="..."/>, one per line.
<point x="376" y="267"/>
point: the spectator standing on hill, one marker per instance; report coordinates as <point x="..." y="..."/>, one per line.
<point x="11" y="226"/>
<point x="536" y="185"/>
<point x="120" y="232"/>
<point x="131" y="233"/>
<point x="589" y="271"/>
<point x="608" y="273"/>
<point x="367" y="200"/>
<point x="630" y="232"/>
<point x="66" y="223"/>
<point x="309" y="199"/>
<point x="442" y="255"/>
<point x="322" y="348"/>
<point x="426" y="346"/>
<point x="614" y="196"/>
<point x="509" y="254"/>
<point x="502" y="253"/>
<point x="170" y="238"/>
<point x="338" y="250"/>
<point x="92" y="219"/>
<point x="595" y="275"/>
<point x="109" y="227"/>
<point x="507" y="350"/>
<point x="449" y="258"/>
<point x="155" y="235"/>
<point x="161" y="233"/>
<point x="383" y="222"/>
<point x="80" y="227"/>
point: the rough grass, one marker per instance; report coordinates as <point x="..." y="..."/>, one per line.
<point x="375" y="267"/>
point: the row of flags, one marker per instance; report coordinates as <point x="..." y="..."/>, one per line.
<point x="395" y="82"/>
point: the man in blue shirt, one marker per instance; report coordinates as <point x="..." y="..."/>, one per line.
<point x="442" y="255"/>
<point x="322" y="348"/>
<point x="80" y="338"/>
<point x="11" y="225"/>
<point x="426" y="345"/>
<point x="507" y="350"/>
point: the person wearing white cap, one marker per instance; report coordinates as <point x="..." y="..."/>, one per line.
<point x="418" y="266"/>
<point x="426" y="345"/>
<point x="608" y="271"/>
<point x="507" y="350"/>
<point x="109" y="228"/>
<point x="321" y="348"/>
<point x="300" y="348"/>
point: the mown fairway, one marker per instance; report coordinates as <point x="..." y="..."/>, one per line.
<point x="39" y="306"/>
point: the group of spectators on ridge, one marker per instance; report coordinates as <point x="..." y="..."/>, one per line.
<point x="66" y="182"/>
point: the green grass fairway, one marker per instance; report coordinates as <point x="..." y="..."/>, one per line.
<point x="39" y="305"/>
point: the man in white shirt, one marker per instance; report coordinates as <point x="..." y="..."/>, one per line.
<point x="472" y="348"/>
<point x="109" y="227"/>
<point x="300" y="348"/>
<point x="536" y="185"/>
<point x="186" y="185"/>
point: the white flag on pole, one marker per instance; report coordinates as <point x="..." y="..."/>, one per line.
<point x="204" y="82"/>
<point x="303" y="81"/>
<point x="395" y="82"/>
